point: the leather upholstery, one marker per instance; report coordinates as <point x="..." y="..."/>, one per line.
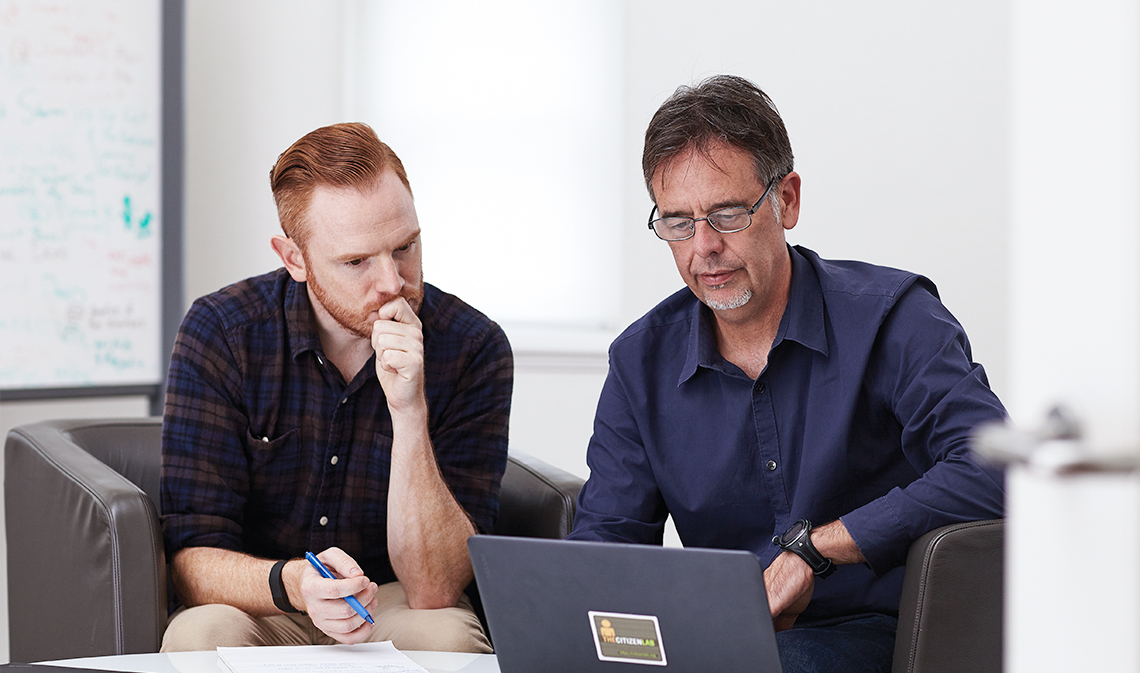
<point x="87" y="571"/>
<point x="537" y="499"/>
<point x="86" y="566"/>
<point x="950" y="615"/>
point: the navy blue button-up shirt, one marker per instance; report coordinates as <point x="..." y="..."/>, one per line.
<point x="863" y="413"/>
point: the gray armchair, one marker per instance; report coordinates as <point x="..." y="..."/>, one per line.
<point x="950" y="615"/>
<point x="83" y="533"/>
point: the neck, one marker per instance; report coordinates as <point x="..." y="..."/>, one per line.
<point x="745" y="340"/>
<point x="347" y="351"/>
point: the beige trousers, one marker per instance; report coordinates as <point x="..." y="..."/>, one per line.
<point x="206" y="627"/>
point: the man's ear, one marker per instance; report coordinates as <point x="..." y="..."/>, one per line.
<point x="789" y="200"/>
<point x="290" y="254"/>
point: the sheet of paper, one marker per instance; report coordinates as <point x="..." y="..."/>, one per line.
<point x="363" y="658"/>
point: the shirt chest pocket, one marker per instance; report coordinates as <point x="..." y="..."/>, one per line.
<point x="280" y="452"/>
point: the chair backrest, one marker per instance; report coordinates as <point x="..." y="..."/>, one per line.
<point x="537" y="499"/>
<point x="950" y="615"/>
<point x="81" y="506"/>
<point x="130" y="447"/>
<point x="83" y="538"/>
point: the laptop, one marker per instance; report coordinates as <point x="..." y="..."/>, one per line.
<point x="556" y="606"/>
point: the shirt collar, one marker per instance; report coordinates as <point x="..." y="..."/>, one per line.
<point x="803" y="317"/>
<point x="301" y="322"/>
<point x="802" y="322"/>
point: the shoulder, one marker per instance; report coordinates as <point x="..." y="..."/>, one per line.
<point x="865" y="291"/>
<point x="672" y="316"/>
<point x="862" y="278"/>
<point x="449" y="322"/>
<point x="251" y="300"/>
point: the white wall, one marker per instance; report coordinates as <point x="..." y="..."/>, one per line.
<point x="890" y="109"/>
<point x="899" y="115"/>
<point x="259" y="75"/>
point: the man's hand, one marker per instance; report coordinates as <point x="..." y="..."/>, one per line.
<point x="789" y="583"/>
<point x="398" y="339"/>
<point x="324" y="598"/>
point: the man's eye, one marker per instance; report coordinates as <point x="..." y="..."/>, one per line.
<point x="405" y="247"/>
<point x="355" y="262"/>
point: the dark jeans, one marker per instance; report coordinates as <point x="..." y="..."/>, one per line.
<point x="856" y="644"/>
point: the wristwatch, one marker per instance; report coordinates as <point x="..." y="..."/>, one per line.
<point x="797" y="539"/>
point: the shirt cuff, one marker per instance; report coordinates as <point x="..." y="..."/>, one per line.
<point x="879" y="533"/>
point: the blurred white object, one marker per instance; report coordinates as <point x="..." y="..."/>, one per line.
<point x="1072" y="549"/>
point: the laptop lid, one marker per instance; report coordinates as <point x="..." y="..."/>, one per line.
<point x="556" y="606"/>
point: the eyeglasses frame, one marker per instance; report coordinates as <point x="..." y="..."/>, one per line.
<point x="693" y="220"/>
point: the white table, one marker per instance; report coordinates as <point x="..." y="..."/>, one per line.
<point x="207" y="662"/>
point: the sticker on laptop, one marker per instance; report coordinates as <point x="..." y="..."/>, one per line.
<point x="633" y="639"/>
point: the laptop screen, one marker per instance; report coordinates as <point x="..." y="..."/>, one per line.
<point x="557" y="605"/>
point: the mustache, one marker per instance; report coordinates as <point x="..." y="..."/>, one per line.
<point x="414" y="297"/>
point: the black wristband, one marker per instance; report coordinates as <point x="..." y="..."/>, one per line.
<point x="277" y="589"/>
<point x="797" y="540"/>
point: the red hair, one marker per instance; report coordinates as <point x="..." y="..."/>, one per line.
<point x="341" y="156"/>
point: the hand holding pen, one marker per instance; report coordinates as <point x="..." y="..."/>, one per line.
<point x="329" y="576"/>
<point x="334" y="603"/>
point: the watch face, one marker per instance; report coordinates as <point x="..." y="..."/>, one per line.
<point x="792" y="533"/>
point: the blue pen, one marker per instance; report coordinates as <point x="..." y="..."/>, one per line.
<point x="328" y="575"/>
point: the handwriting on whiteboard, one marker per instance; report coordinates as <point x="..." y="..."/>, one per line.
<point x="80" y="169"/>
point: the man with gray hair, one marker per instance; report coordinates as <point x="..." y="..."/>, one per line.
<point x="815" y="412"/>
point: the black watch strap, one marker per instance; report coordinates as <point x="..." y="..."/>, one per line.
<point x="277" y="589"/>
<point x="797" y="539"/>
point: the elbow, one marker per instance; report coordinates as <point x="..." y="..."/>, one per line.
<point x="432" y="598"/>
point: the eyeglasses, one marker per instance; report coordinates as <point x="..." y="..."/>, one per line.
<point x="725" y="220"/>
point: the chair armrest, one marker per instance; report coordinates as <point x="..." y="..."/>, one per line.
<point x="950" y="614"/>
<point x="86" y="565"/>
<point x="536" y="499"/>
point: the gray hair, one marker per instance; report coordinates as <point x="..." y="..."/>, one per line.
<point x="722" y="108"/>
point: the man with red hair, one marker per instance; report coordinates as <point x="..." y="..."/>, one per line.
<point x="339" y="405"/>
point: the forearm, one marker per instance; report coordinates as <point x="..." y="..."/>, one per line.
<point x="789" y="580"/>
<point x="204" y="575"/>
<point x="953" y="490"/>
<point x="427" y="528"/>
<point x="834" y="542"/>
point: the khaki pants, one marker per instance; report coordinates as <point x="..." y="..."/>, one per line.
<point x="446" y="630"/>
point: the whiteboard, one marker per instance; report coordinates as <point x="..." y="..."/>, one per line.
<point x="81" y="210"/>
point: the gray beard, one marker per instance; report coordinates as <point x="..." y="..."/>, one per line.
<point x="735" y="302"/>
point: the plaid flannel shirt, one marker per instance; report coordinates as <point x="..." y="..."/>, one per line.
<point x="267" y="451"/>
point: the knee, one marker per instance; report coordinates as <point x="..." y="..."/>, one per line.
<point x="444" y="630"/>
<point x="454" y="629"/>
<point x="207" y="627"/>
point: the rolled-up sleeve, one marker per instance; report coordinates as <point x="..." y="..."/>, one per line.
<point x="470" y="431"/>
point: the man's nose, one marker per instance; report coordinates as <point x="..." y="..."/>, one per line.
<point x="706" y="240"/>
<point x="387" y="279"/>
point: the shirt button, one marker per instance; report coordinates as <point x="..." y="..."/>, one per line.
<point x="333" y="460"/>
<point x="324" y="521"/>
<point x="265" y="439"/>
<point x="762" y="388"/>
<point x="771" y="466"/>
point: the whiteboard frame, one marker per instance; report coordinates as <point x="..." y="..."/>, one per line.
<point x="173" y="125"/>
